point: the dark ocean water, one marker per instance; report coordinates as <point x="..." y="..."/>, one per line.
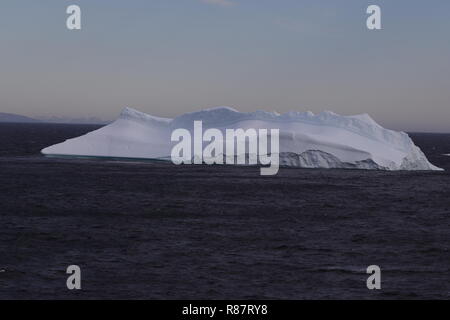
<point x="158" y="231"/>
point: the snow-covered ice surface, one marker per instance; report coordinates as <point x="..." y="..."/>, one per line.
<point x="325" y="140"/>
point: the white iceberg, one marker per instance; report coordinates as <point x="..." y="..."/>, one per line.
<point x="325" y="140"/>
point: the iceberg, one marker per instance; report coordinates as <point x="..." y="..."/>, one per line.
<point x="307" y="140"/>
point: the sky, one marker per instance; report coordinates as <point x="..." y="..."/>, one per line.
<point x="168" y="57"/>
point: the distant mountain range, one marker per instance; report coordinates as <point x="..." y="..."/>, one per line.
<point x="16" y="118"/>
<point x="90" y="120"/>
<point x="10" y="117"/>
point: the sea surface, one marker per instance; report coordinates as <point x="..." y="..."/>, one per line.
<point x="153" y="230"/>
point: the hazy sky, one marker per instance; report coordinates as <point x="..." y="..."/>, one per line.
<point x="167" y="57"/>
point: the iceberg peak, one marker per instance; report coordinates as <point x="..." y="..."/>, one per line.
<point x="130" y="112"/>
<point x="365" y="117"/>
<point x="133" y="114"/>
<point x="220" y="109"/>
